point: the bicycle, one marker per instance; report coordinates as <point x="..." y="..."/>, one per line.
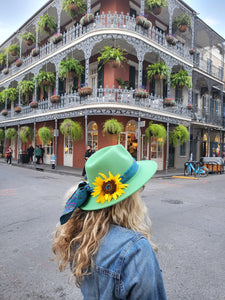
<point x="194" y="167"/>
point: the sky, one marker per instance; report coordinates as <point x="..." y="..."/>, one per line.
<point x="14" y="13"/>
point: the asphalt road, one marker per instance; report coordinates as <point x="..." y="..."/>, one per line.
<point x="188" y="225"/>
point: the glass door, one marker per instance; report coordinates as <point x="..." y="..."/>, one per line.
<point x="68" y="152"/>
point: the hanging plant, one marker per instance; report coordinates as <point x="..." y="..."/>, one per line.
<point x="179" y="134"/>
<point x="12" y="94"/>
<point x="72" y="129"/>
<point x="33" y="104"/>
<point x="27" y="88"/>
<point x="70" y="68"/>
<point x="14" y="50"/>
<point x="2" y="135"/>
<point x="156" y="130"/>
<point x="35" y="51"/>
<point x="19" y="62"/>
<point x="4" y="112"/>
<point x="155" y="6"/>
<point x="17" y="109"/>
<point x="46" y="24"/>
<point x="74" y="7"/>
<point x="182" y="22"/>
<point x="45" y="134"/>
<point x="157" y="71"/>
<point x="11" y="133"/>
<point x="87" y="19"/>
<point x="25" y="133"/>
<point x="28" y="38"/>
<point x="3" y="59"/>
<point x="113" y="56"/>
<point x="181" y="79"/>
<point x="45" y="80"/>
<point x="113" y="126"/>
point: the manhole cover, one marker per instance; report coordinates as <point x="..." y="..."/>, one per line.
<point x="171" y="201"/>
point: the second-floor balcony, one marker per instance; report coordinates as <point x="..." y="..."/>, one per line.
<point x="102" y="96"/>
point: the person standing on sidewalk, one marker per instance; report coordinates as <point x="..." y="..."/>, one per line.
<point x="9" y="155"/>
<point x="87" y="154"/>
<point x="42" y="154"/>
<point x="30" y="152"/>
<point x="38" y="154"/>
<point x="105" y="232"/>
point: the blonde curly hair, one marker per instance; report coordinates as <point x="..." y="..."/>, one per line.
<point x="77" y="241"/>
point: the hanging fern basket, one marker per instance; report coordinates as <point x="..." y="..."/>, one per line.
<point x="72" y="129"/>
<point x="45" y="134"/>
<point x="25" y="133"/>
<point x="156" y="130"/>
<point x="179" y="134"/>
<point x="11" y="133"/>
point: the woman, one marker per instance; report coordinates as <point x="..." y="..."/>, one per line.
<point x="105" y="231"/>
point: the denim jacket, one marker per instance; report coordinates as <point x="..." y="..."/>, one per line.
<point x="126" y="267"/>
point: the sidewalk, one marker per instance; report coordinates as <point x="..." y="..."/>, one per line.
<point x="64" y="170"/>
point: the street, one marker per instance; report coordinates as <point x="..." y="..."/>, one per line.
<point x="188" y="225"/>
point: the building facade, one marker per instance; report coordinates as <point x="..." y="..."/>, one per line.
<point x="114" y="90"/>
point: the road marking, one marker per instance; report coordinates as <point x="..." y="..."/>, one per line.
<point x="185" y="177"/>
<point x="8" y="192"/>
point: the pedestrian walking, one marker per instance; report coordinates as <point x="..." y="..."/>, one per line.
<point x="42" y="154"/>
<point x="88" y="153"/>
<point x="105" y="231"/>
<point x="30" y="152"/>
<point x="38" y="154"/>
<point x="9" y="155"/>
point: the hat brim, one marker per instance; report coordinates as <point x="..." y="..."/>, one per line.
<point x="146" y="170"/>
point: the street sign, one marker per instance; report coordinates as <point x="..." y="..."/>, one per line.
<point x="142" y="124"/>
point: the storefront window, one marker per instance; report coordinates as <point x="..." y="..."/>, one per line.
<point x="93" y="135"/>
<point x="156" y="148"/>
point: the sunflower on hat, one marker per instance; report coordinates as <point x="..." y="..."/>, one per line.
<point x="108" y="188"/>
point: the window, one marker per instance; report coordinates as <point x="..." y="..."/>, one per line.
<point x="220" y="73"/>
<point x="133" y="13"/>
<point x="183" y="149"/>
<point x="209" y="65"/>
<point x="93" y="135"/>
<point x="159" y="35"/>
<point x="178" y="95"/>
<point x="48" y="148"/>
<point x="156" y="148"/>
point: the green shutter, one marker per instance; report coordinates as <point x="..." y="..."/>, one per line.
<point x="132" y="77"/>
<point x="101" y="77"/>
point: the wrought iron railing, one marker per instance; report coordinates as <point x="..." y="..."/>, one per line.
<point x="100" y="96"/>
<point x="205" y="116"/>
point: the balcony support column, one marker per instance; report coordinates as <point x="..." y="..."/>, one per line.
<point x="88" y="6"/>
<point x="57" y="80"/>
<point x="19" y="97"/>
<point x="20" y="40"/>
<point x="142" y="7"/>
<point x="140" y="56"/>
<point x="56" y="137"/>
<point x="18" y="144"/>
<point x="34" y="138"/>
<point x="35" y="90"/>
<point x="167" y="146"/>
<point x="86" y="131"/>
<point x="86" y="70"/>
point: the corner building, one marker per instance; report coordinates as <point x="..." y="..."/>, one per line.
<point x="115" y="25"/>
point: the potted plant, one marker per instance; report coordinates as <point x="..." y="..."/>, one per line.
<point x="169" y="102"/>
<point x="70" y="68"/>
<point x="141" y="93"/>
<point x="113" y="56"/>
<point x="44" y="80"/>
<point x="72" y="129"/>
<point x="155" y="6"/>
<point x="180" y="79"/>
<point x="182" y="22"/>
<point x="17" y="109"/>
<point x="35" y="52"/>
<point x="14" y="50"/>
<point x="74" y="7"/>
<point x="55" y="99"/>
<point x="170" y="38"/>
<point x="189" y="106"/>
<point x="29" y="38"/>
<point x="2" y="134"/>
<point x="19" y="62"/>
<point x="143" y="21"/>
<point x="192" y="51"/>
<point x="11" y="133"/>
<point x="5" y="71"/>
<point x="157" y="71"/>
<point x="85" y="91"/>
<point x="46" y="24"/>
<point x="56" y="38"/>
<point x="112" y="126"/>
<point x="45" y="135"/>
<point x="26" y="132"/>
<point x="156" y="130"/>
<point x="180" y="133"/>
<point x="122" y="83"/>
<point x="27" y="88"/>
<point x="33" y="104"/>
<point x="4" y="112"/>
<point x="87" y="19"/>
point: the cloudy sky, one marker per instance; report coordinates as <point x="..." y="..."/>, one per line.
<point x="14" y="13"/>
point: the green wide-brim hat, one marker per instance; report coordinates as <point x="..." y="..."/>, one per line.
<point x="118" y="161"/>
